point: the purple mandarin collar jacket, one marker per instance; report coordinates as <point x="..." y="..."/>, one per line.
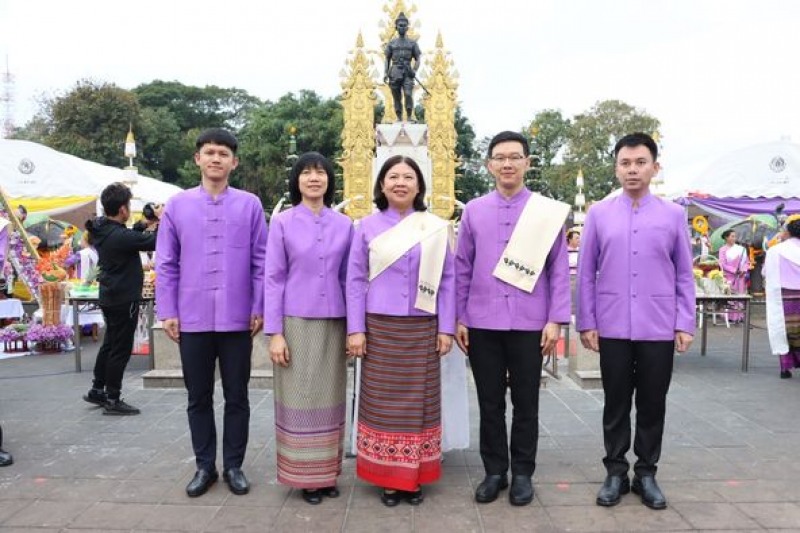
<point x="393" y="291"/>
<point x="306" y="264"/>
<point x="210" y="260"/>
<point x="635" y="277"/>
<point x="485" y="302"/>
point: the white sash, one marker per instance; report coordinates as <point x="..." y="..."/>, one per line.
<point x="776" y="322"/>
<point x="431" y="233"/>
<point x="526" y="252"/>
<point x="734" y="253"/>
<point x="3" y="223"/>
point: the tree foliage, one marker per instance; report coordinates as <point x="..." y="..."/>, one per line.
<point x="90" y="121"/>
<point x="264" y="140"/>
<point x="562" y="147"/>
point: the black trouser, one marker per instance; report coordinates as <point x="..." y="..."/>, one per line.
<point x="117" y="345"/>
<point x="645" y="367"/>
<point x="199" y="351"/>
<point x="493" y="356"/>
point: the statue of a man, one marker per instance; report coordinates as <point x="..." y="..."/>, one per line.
<point x="400" y="73"/>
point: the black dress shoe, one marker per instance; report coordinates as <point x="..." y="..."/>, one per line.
<point x="390" y="498"/>
<point x="612" y="490"/>
<point x="521" y="492"/>
<point x="490" y="488"/>
<point x="312" y="496"/>
<point x="647" y="488"/>
<point x="200" y="483"/>
<point x="96" y="396"/>
<point x="236" y="481"/>
<point x="5" y="458"/>
<point x="330" y="492"/>
<point x="416" y="497"/>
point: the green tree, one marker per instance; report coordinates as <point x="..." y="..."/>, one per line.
<point x="592" y="138"/>
<point x="264" y="140"/>
<point x="90" y="121"/>
<point x="473" y="179"/>
<point x="549" y="132"/>
<point x="172" y="116"/>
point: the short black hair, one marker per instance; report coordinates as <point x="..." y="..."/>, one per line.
<point x="377" y="194"/>
<point x="633" y="140"/>
<point x="727" y="232"/>
<point x="793" y="228"/>
<point x="506" y="136"/>
<point x="22" y="209"/>
<point x="311" y="160"/>
<point x="219" y="136"/>
<point x="114" y="197"/>
<point x="571" y="233"/>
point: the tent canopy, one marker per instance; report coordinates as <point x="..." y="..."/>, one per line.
<point x="46" y="180"/>
<point x="749" y="181"/>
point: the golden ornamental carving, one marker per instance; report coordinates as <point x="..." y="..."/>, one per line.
<point x="358" y="134"/>
<point x="440" y="115"/>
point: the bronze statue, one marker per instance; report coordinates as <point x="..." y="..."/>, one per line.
<point x="400" y="73"/>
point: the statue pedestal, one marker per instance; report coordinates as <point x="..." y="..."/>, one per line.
<point x="403" y="138"/>
<point x="168" y="373"/>
<point x="584" y="366"/>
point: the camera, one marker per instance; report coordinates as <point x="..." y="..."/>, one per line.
<point x="149" y="211"/>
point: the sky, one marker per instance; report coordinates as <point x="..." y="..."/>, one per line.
<point x="719" y="74"/>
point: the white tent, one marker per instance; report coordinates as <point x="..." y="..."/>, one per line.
<point x="48" y="181"/>
<point x="770" y="170"/>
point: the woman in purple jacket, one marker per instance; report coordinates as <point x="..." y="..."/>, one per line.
<point x="304" y="316"/>
<point x="400" y="320"/>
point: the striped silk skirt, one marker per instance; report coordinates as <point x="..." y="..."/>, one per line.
<point x="399" y="414"/>
<point x="310" y="403"/>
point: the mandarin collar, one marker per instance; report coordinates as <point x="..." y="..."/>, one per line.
<point x="221" y="196"/>
<point x="643" y="201"/>
<point x="302" y="208"/>
<point x="520" y="196"/>
<point x="393" y="214"/>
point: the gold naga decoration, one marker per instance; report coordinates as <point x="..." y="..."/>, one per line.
<point x="358" y="134"/>
<point x="440" y="115"/>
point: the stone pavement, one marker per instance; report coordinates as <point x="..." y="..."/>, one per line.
<point x="730" y="460"/>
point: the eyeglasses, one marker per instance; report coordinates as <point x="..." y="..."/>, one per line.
<point x="514" y="158"/>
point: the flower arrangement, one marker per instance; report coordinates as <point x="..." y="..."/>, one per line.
<point x="712" y="283"/>
<point x="51" y="265"/>
<point x="14" y="338"/>
<point x="49" y="338"/>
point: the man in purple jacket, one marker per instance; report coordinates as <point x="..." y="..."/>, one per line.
<point x="209" y="291"/>
<point x="505" y="329"/>
<point x="636" y="306"/>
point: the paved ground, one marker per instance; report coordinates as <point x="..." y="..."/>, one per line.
<point x="730" y="460"/>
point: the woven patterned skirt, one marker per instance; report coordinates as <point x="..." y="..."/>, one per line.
<point x="399" y="414"/>
<point x="791" y="315"/>
<point x="310" y="403"/>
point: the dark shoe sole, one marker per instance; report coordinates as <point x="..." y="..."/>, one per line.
<point x="195" y="494"/>
<point x="503" y="486"/>
<point x="329" y="492"/>
<point x="99" y="403"/>
<point x="651" y="505"/>
<point x="236" y="490"/>
<point x="111" y="412"/>
<point x="391" y="500"/>
<point x="312" y="497"/>
<point x="415" y="498"/>
<point x="611" y="503"/>
<point x="519" y="503"/>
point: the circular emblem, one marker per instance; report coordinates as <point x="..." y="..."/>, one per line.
<point x="778" y="164"/>
<point x="26" y="166"/>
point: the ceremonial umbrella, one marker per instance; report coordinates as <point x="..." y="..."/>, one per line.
<point x="750" y="231"/>
<point x="50" y="232"/>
